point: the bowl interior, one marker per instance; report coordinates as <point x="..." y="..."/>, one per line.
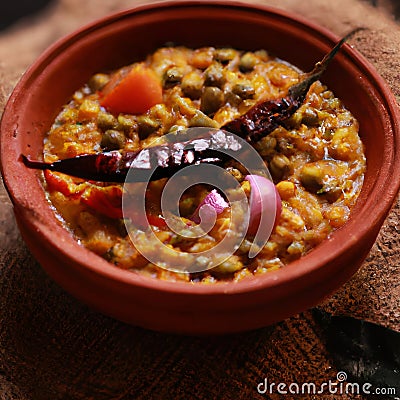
<point x="130" y="36"/>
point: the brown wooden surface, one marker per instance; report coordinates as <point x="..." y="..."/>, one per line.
<point x="52" y="347"/>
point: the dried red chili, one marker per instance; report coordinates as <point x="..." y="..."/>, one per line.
<point x="265" y="117"/>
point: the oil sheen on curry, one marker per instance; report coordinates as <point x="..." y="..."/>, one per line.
<point x="314" y="155"/>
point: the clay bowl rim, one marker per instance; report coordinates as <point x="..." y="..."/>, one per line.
<point x="326" y="252"/>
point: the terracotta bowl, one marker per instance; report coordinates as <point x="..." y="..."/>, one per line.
<point x="181" y="307"/>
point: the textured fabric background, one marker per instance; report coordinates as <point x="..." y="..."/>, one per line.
<point x="52" y="347"/>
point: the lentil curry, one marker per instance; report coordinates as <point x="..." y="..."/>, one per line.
<point x="316" y="159"/>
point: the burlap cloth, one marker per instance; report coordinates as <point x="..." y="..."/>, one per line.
<point x="52" y="347"/>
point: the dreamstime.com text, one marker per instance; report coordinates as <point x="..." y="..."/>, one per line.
<point x="339" y="386"/>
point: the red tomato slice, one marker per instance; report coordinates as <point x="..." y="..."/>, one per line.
<point x="105" y="200"/>
<point x="63" y="184"/>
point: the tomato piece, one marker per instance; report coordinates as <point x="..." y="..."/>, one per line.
<point x="132" y="91"/>
<point x="156" y="220"/>
<point x="63" y="184"/>
<point x="142" y="221"/>
<point x="105" y="200"/>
